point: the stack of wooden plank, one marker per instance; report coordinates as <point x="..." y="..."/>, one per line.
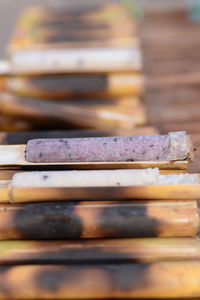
<point x="78" y="67"/>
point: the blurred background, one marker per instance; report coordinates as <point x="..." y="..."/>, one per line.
<point x="10" y="10"/>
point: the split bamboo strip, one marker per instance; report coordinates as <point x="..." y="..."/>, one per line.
<point x="97" y="185"/>
<point x="8" y="174"/>
<point x="13" y="156"/>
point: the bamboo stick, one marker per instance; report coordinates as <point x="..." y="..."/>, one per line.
<point x="174" y="151"/>
<point x="8" y="174"/>
<point x="90" y="15"/>
<point x="98" y="185"/>
<point x="13" y="124"/>
<point x="41" y="221"/>
<point x="93" y="24"/>
<point x="42" y="112"/>
<point x="140" y="250"/>
<point x="62" y="87"/>
<point x="72" y="34"/>
<point x="106" y="281"/>
<point x="14" y="156"/>
<point x="17" y="138"/>
<point x="162" y="192"/>
<point x="81" y="60"/>
<point x="112" y="45"/>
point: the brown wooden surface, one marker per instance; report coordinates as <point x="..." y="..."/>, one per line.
<point x="89" y="24"/>
<point x="171" y="51"/>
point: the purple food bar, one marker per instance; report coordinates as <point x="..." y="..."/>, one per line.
<point x="173" y="146"/>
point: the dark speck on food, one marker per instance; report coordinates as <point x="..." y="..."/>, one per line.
<point x="143" y="153"/>
<point x="151" y="146"/>
<point x="131" y="138"/>
<point x="66" y="142"/>
<point x="44" y="177"/>
<point x="130" y="159"/>
<point x="80" y="62"/>
<point x="118" y="183"/>
<point x="69" y="154"/>
<point x="105" y="143"/>
<point x="115" y="139"/>
<point x="39" y="142"/>
<point x="41" y="154"/>
<point x="157" y="157"/>
<point x="133" y="150"/>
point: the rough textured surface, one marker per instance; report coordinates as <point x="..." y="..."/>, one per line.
<point x="100" y="178"/>
<point x="174" y="146"/>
